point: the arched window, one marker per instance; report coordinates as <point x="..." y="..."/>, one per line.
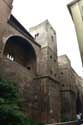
<point x="21" y="51"/>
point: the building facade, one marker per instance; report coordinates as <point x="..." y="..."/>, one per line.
<point x="76" y="11"/>
<point x="46" y="82"/>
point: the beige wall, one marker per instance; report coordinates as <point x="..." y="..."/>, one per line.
<point x="77" y="15"/>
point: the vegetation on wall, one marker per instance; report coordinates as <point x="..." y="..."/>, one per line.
<point x="10" y="105"/>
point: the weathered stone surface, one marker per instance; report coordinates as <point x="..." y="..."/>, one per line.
<point x="69" y="88"/>
<point x="15" y="72"/>
<point x="5" y="11"/>
<point x="43" y="93"/>
<point x="48" y="83"/>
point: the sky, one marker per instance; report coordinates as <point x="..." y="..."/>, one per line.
<point x="32" y="12"/>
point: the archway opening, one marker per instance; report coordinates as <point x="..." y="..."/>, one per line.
<point x="78" y="105"/>
<point x="21" y="51"/>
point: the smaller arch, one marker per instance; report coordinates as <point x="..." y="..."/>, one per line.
<point x="78" y="104"/>
<point x="18" y="49"/>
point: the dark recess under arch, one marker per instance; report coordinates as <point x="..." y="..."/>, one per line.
<point x="21" y="51"/>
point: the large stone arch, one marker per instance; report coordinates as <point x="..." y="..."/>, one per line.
<point x="20" y="50"/>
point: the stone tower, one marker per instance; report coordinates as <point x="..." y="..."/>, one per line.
<point x="5" y="11"/>
<point x="45" y="35"/>
<point x="68" y="89"/>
